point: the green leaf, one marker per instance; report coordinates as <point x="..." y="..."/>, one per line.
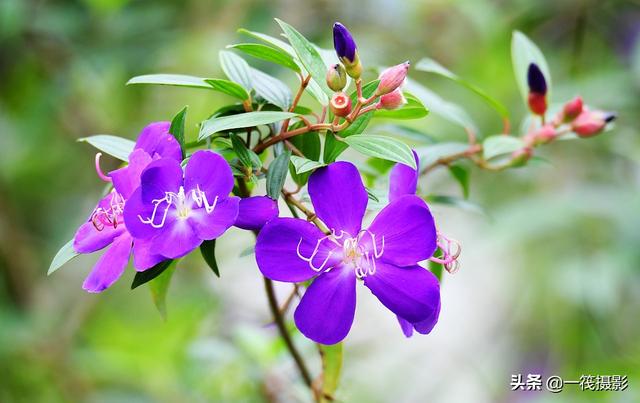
<point x="494" y="146"/>
<point x="228" y="87"/>
<point x="332" y="147"/>
<point x="317" y="93"/>
<point x="383" y="147"/>
<point x="303" y="165"/>
<point x="413" y="109"/>
<point x="249" y="119"/>
<point x="310" y="146"/>
<point x="142" y="277"/>
<point x="271" y="89"/>
<point x="431" y="66"/>
<point x="236" y="68"/>
<point x="277" y="174"/>
<point x="523" y="53"/>
<point x="208" y="250"/>
<point x="177" y="127"/>
<point x="65" y="254"/>
<point x="179" y="80"/>
<point x="241" y="150"/>
<point x="445" y="109"/>
<point x="159" y="287"/>
<point x="331" y="368"/>
<point x="268" y="53"/>
<point x="403" y="131"/>
<point x="308" y="55"/>
<point x="280" y="44"/>
<point x="436" y="268"/>
<point x="115" y="146"/>
<point x="432" y="153"/>
<point x="461" y="174"/>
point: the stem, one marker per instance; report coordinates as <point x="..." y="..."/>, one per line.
<point x="278" y="319"/>
<point x="311" y="216"/>
<point x="303" y="84"/>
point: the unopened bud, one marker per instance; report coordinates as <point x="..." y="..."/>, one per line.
<point x="537" y="90"/>
<point x="572" y="109"/>
<point x="590" y="123"/>
<point x="346" y="50"/>
<point x="336" y="77"/>
<point x="544" y="135"/>
<point x="392" y="78"/>
<point x="340" y="104"/>
<point x="393" y="100"/>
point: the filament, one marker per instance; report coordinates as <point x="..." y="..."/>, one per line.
<point x="179" y="200"/>
<point x="101" y="174"/>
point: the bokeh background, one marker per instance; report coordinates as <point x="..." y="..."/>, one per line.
<point x="550" y="278"/>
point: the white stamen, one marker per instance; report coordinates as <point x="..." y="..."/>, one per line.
<point x="180" y="201"/>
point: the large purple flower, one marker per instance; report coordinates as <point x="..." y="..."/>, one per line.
<point x="384" y="255"/>
<point x="174" y="211"/>
<point x="403" y="181"/>
<point x="106" y="227"/>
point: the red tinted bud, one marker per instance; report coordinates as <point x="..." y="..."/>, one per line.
<point x="521" y="156"/>
<point x="392" y="100"/>
<point x="590" y="123"/>
<point x="545" y="134"/>
<point x="392" y="78"/>
<point x="336" y="77"/>
<point x="340" y="104"/>
<point x="537" y="103"/>
<point x="572" y="109"/>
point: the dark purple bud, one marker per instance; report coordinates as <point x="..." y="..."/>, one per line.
<point x="536" y="80"/>
<point x="610" y="117"/>
<point x="343" y="43"/>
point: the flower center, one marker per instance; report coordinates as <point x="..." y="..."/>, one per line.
<point x="108" y="216"/>
<point x="356" y="252"/>
<point x="183" y="204"/>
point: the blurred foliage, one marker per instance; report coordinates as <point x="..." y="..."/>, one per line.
<point x="573" y="227"/>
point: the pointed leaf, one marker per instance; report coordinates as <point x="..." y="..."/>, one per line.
<point x="383" y="147"/>
<point x="180" y="80"/>
<point x="277" y="174"/>
<point x="249" y="119"/>
<point x="159" y="287"/>
<point x="65" y="254"/>
<point x="413" y="109"/>
<point x="500" y="144"/>
<point x="177" y="127"/>
<point x="208" y="250"/>
<point x="115" y="146"/>
<point x="278" y="43"/>
<point x="268" y="54"/>
<point x="228" y="87"/>
<point x="271" y="89"/>
<point x="236" y="68"/>
<point x="142" y="277"/>
<point x="303" y="165"/>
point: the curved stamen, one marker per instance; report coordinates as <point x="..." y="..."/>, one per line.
<point x="180" y="201"/>
<point x="101" y="174"/>
<point x="451" y="250"/>
<point x="102" y="217"/>
<point x="313" y="255"/>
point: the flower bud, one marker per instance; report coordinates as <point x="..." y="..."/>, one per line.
<point x="346" y="50"/>
<point x="590" y="123"/>
<point x="572" y="109"/>
<point x="537" y="90"/>
<point x="340" y="104"/>
<point x="392" y="78"/>
<point x="392" y="100"/>
<point x="544" y="135"/>
<point x="336" y="77"/>
<point x="521" y="157"/>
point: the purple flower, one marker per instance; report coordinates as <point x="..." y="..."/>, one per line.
<point x="535" y="79"/>
<point x="106" y="227"/>
<point x="384" y="255"/>
<point x="174" y="211"/>
<point x="343" y="43"/>
<point x="254" y="212"/>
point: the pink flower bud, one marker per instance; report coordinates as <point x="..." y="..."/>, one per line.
<point x="392" y="78"/>
<point x="392" y="100"/>
<point x="340" y="104"/>
<point x="572" y="109"/>
<point x="589" y="123"/>
<point x="543" y="135"/>
<point x="520" y="157"/>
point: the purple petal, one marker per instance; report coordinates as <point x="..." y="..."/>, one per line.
<point x="127" y="179"/>
<point x="210" y="173"/>
<point x="110" y="266"/>
<point x="88" y="239"/>
<point x="277" y="250"/>
<point x="408" y="230"/>
<point x="406" y="326"/>
<point x="339" y="197"/>
<point x="143" y="256"/>
<point x="160" y="176"/>
<point x="343" y="42"/>
<point x="176" y="239"/>
<point x="326" y="311"/>
<point x="156" y="140"/>
<point x="413" y="293"/>
<point x="403" y="180"/>
<point x="211" y="225"/>
<point x="135" y="210"/>
<point x="425" y="326"/>
<point x="254" y="212"/>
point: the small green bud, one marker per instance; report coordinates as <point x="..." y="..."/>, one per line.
<point x="336" y="77"/>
